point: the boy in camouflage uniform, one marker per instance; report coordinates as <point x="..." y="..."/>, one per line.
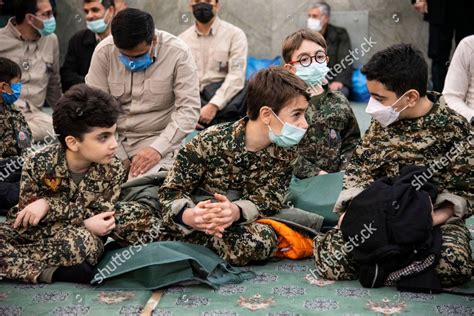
<point x="16" y="135"/>
<point x="410" y="127"/>
<point x="68" y="191"/>
<point x="244" y="166"/>
<point x="333" y="131"/>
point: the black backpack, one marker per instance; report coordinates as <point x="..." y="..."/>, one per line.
<point x="388" y="226"/>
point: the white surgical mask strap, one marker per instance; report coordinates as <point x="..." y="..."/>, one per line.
<point x="394" y="103"/>
<point x="277" y="117"/>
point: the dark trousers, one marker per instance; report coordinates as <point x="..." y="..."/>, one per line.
<point x="440" y="42"/>
<point x="233" y="111"/>
<point x="9" y="185"/>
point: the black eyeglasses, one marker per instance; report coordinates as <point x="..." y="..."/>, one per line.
<point x="306" y="60"/>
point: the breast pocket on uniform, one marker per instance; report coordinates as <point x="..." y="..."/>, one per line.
<point x="221" y="61"/>
<point x="116" y="89"/>
<point x="158" y="94"/>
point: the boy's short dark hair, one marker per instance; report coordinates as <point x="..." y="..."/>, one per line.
<point x="106" y="3"/>
<point x="81" y="109"/>
<point x="131" y="26"/>
<point x="399" y="68"/>
<point x="9" y="70"/>
<point x="293" y="41"/>
<point x="273" y="87"/>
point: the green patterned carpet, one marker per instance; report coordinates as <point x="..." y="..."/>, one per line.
<point x="280" y="288"/>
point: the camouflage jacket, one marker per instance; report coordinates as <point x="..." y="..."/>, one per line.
<point x="441" y="140"/>
<point x="216" y="161"/>
<point x="16" y="135"/>
<point x="331" y="138"/>
<point x="46" y="175"/>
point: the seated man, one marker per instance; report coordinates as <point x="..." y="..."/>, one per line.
<point x="99" y="15"/>
<point x="244" y="167"/>
<point x="154" y="76"/>
<point x="16" y="135"/>
<point x="29" y="40"/>
<point x="68" y="192"/>
<point x="220" y="51"/>
<point x="333" y="131"/>
<point x="459" y="84"/>
<point x="410" y="127"/>
<point x="338" y="43"/>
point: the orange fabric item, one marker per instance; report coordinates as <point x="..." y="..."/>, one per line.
<point x="291" y="244"/>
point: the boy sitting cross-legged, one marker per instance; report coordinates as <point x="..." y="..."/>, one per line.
<point x="67" y="195"/>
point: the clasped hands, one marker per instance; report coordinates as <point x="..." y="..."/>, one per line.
<point x="212" y="217"/>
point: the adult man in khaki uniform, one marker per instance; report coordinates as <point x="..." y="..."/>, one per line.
<point x="154" y="76"/>
<point x="28" y="40"/>
<point x="220" y="50"/>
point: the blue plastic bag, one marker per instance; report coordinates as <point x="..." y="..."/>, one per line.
<point x="360" y="93"/>
<point x="256" y="64"/>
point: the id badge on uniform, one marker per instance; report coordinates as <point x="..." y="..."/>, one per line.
<point x="334" y="138"/>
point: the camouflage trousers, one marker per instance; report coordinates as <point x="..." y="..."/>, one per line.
<point x="24" y="259"/>
<point x="454" y="268"/>
<point x="240" y="244"/>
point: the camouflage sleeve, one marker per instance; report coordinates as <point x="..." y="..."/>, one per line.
<point x="305" y="168"/>
<point x="25" y="128"/>
<point x="62" y="209"/>
<point x="350" y="138"/>
<point x="185" y="175"/>
<point x="359" y="171"/>
<point x="460" y="174"/>
<point x="268" y="190"/>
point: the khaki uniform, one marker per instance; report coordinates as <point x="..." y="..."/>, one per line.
<point x="220" y="56"/>
<point x="441" y="140"/>
<point x="332" y="136"/>
<point x="60" y="239"/>
<point x="160" y="105"/>
<point x="39" y="63"/>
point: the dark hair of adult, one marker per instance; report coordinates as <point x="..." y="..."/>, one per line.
<point x="131" y="27"/>
<point x="23" y="7"/>
<point x="106" y="3"/>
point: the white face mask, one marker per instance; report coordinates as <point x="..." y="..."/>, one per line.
<point x="385" y="115"/>
<point x="314" y="24"/>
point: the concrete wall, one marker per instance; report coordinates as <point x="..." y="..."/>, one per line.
<point x="267" y="22"/>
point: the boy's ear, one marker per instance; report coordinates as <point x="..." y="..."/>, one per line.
<point x="413" y="96"/>
<point x="290" y="68"/>
<point x="265" y="115"/>
<point x="72" y="143"/>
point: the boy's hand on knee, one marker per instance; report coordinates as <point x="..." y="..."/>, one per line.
<point x="32" y="214"/>
<point x="101" y="224"/>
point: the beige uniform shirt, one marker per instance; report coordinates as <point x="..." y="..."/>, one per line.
<point x="39" y="63"/>
<point x="220" y="56"/>
<point x="459" y="85"/>
<point x="160" y="105"/>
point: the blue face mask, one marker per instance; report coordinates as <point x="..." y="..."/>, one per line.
<point x="49" y="26"/>
<point x="290" y="134"/>
<point x="10" y="98"/>
<point x="98" y="26"/>
<point x="314" y="74"/>
<point x="136" y="64"/>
